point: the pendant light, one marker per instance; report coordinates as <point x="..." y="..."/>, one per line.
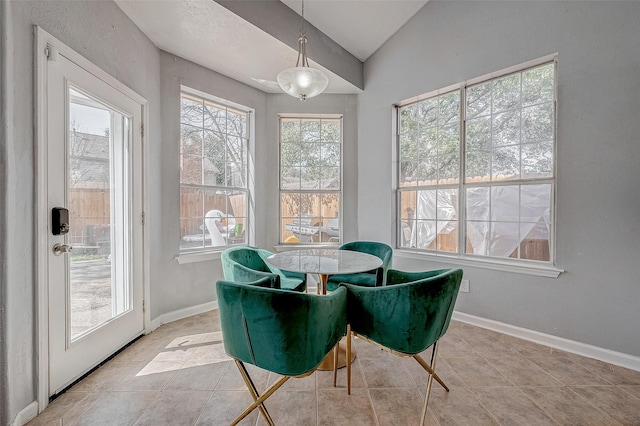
<point x="302" y="81"/>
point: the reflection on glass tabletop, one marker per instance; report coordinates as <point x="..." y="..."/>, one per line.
<point x="324" y="261"/>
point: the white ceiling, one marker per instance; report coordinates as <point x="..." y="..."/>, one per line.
<point x="208" y="34"/>
<point x="360" y="26"/>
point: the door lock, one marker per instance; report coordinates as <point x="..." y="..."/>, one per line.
<point x="58" y="249"/>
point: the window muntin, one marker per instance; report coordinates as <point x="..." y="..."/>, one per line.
<point x="214" y="192"/>
<point x="502" y="191"/>
<point x="310" y="179"/>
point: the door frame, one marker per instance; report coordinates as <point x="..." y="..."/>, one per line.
<point x="46" y="47"/>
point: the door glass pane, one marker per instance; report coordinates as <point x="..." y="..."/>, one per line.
<point x="98" y="284"/>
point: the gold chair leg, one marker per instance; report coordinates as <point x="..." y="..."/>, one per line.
<point x="335" y="363"/>
<point x="257" y="398"/>
<point x="429" y="370"/>
<point x="348" y="359"/>
<point x="432" y="367"/>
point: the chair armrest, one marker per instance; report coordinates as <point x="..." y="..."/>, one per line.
<point x="401" y="277"/>
<point x="247" y="275"/>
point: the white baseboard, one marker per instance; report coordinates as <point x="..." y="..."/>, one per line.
<point x="180" y="314"/>
<point x="578" y="348"/>
<point x="25" y="415"/>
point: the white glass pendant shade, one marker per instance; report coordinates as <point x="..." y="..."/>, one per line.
<point x="303" y="82"/>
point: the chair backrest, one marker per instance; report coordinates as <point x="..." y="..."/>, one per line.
<point x="246" y="256"/>
<point x="281" y="331"/>
<point x="410" y="313"/>
<point x="375" y="248"/>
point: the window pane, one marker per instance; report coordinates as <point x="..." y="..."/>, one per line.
<point x="479" y="100"/>
<point x="310" y="158"/>
<point x="479" y="134"/>
<point x="290" y="178"/>
<point x="506" y="163"/>
<point x="191" y="111"/>
<point x="215" y="118"/>
<point x="236" y="124"/>
<point x="535" y="242"/>
<point x="428" y="143"/>
<point x="506" y="128"/>
<point x="504" y="239"/>
<point x="478" y="203"/>
<point x="506" y="93"/>
<point x="408" y="119"/>
<point x="538" y="85"/>
<point x="478" y="166"/>
<point x="449" y="169"/>
<point x="310" y="131"/>
<point x="408" y="147"/>
<point x="449" y="140"/>
<point x="331" y="132"/>
<point x="428" y="113"/>
<point x="190" y="140"/>
<point x="191" y="169"/>
<point x="537" y="123"/>
<point x="310" y="154"/>
<point x="289" y="131"/>
<point x="505" y="203"/>
<point x="310" y="177"/>
<point x="447" y="239"/>
<point x="213" y="156"/>
<point x="537" y="160"/>
<point x="330" y="178"/>
<point x="535" y="203"/>
<point x="407" y="215"/>
<point x="331" y="154"/>
<point x="449" y="108"/>
<point x="427" y="172"/>
<point x="193" y="234"/>
<point x="289" y="155"/>
<point x="478" y="237"/>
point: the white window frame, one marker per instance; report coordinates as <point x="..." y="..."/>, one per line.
<point x="526" y="266"/>
<point x="190" y="255"/>
<point x="338" y="192"/>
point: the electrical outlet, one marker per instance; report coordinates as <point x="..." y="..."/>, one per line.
<point x="464" y="286"/>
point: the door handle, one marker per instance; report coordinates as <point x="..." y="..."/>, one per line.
<point x="58" y="249"/>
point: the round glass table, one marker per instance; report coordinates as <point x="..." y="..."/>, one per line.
<point x="326" y="262"/>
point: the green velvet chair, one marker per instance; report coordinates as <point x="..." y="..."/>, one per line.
<point x="406" y="316"/>
<point x="372" y="278"/>
<point x="246" y="264"/>
<point x="285" y="332"/>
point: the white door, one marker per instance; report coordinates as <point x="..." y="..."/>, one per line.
<point x="94" y="171"/>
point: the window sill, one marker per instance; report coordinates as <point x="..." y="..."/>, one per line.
<point x="549" y="271"/>
<point x="288" y="247"/>
<point x="197" y="257"/>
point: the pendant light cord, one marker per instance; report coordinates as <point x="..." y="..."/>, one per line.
<point x="302" y="44"/>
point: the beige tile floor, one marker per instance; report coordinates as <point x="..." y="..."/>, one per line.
<point x="179" y="375"/>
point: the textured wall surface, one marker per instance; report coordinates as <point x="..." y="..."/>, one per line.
<point x="4" y="127"/>
<point x="178" y="286"/>
<point x="102" y="33"/>
<point x="598" y="228"/>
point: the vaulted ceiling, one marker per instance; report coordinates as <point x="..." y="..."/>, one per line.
<point x="253" y="40"/>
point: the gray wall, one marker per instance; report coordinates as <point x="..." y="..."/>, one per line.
<point x="598" y="203"/>
<point x="177" y="286"/>
<point x="101" y="32"/>
<point x="4" y="128"/>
